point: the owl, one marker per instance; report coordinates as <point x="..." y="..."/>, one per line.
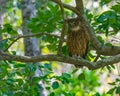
<point x="78" y="38"/>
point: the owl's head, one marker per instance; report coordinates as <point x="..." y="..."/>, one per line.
<point x="74" y="24"/>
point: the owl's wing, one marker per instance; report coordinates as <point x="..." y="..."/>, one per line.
<point x="86" y="51"/>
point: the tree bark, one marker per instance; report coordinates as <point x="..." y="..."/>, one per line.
<point x="31" y="47"/>
<point x="2" y="4"/>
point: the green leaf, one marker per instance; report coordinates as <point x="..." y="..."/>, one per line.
<point x="118" y="90"/>
<point x="109" y="68"/>
<point x="68" y="94"/>
<point x="18" y="5"/>
<point x="106" y="33"/>
<point x="67" y="1"/>
<point x="117" y="80"/>
<point x="113" y="83"/>
<point x="48" y="66"/>
<point x="100" y="39"/>
<point x="8" y="28"/>
<point x="111" y="91"/>
<point x="39" y="87"/>
<point x="55" y="85"/>
<point x="108" y="44"/>
<point x="36" y="79"/>
<point x="81" y="76"/>
<point x="65" y="80"/>
<point x="97" y="94"/>
<point x="30" y="68"/>
<point x="10" y="81"/>
<point x="64" y="50"/>
<point x="116" y="7"/>
<point x="112" y="66"/>
<point x="20" y="82"/>
<point x="13" y="52"/>
<point x="2" y="82"/>
<point x="19" y="65"/>
<point x="52" y="94"/>
<point x="4" y="44"/>
<point x="47" y="20"/>
<point x="66" y="75"/>
<point x="103" y="2"/>
<point x="75" y="70"/>
<point x="47" y="88"/>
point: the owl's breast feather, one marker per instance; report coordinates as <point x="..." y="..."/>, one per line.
<point x="76" y="28"/>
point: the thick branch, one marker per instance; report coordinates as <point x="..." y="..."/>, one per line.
<point x="79" y="6"/>
<point x="101" y="49"/>
<point x="64" y="59"/>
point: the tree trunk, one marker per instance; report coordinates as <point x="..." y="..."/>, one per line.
<point x="31" y="47"/>
<point x="2" y="4"/>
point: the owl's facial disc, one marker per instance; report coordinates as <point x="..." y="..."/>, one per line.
<point x="75" y="28"/>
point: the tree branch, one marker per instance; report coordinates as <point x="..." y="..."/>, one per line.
<point x="100" y="48"/>
<point x="79" y="6"/>
<point x="64" y="59"/>
<point x="32" y="35"/>
<point x="68" y="7"/>
<point x="12" y="43"/>
<point x="63" y="28"/>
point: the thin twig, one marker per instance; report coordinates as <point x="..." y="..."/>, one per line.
<point x="12" y="43"/>
<point x="67" y="7"/>
<point x="63" y="28"/>
<point x="32" y="35"/>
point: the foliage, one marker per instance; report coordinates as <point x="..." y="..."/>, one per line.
<point x="16" y="77"/>
<point x="116" y="87"/>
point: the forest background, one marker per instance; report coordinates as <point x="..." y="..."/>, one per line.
<point x="34" y="59"/>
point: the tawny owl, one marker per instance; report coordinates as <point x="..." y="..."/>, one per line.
<point x="78" y="38"/>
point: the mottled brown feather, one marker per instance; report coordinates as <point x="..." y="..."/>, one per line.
<point x="78" y="38"/>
